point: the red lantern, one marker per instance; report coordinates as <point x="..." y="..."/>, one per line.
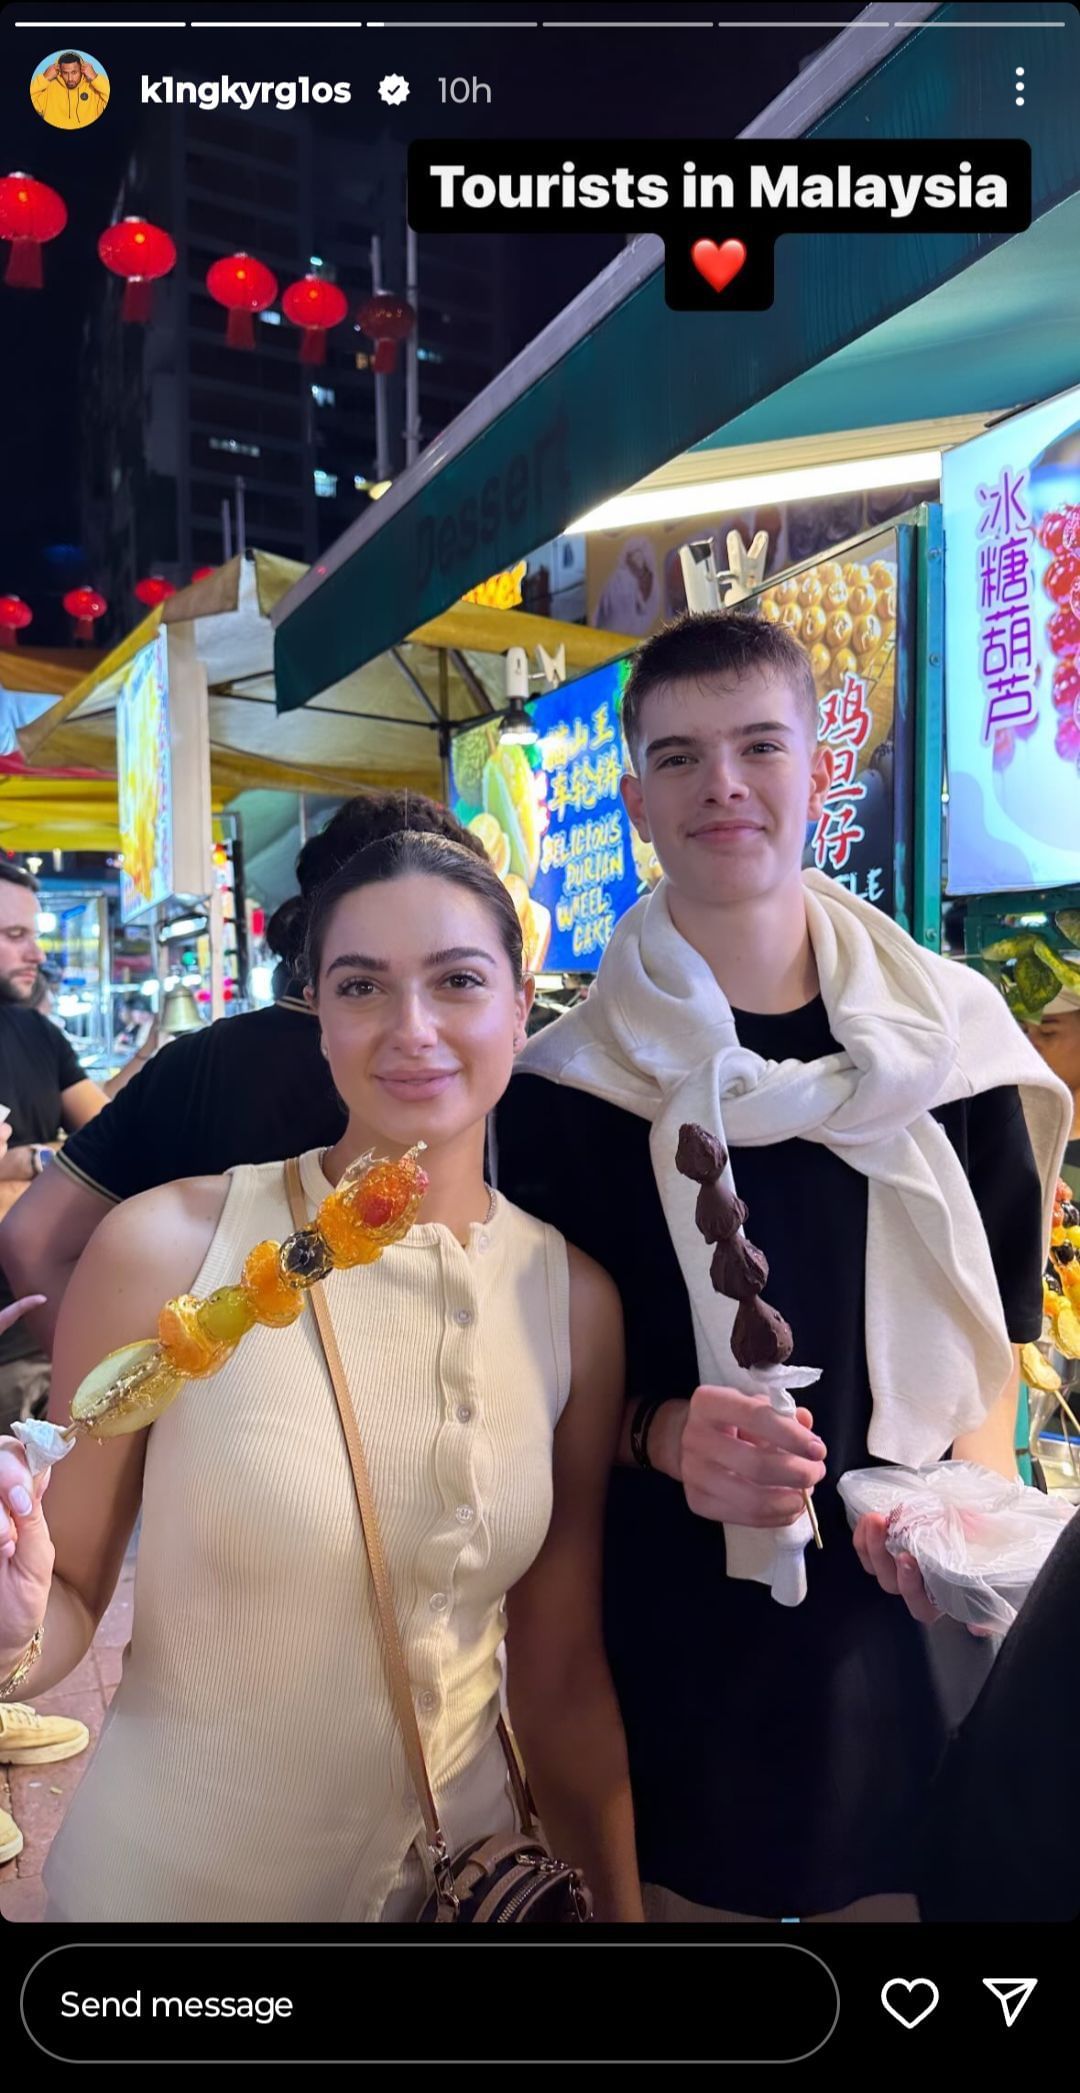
<point x="201" y="573"/>
<point x="389" y="320"/>
<point x="15" y="616"/>
<point x="140" y="252"/>
<point x="84" y="605"/>
<point x="315" y="305"/>
<point x="245" y="286"/>
<point x="30" y="212"/>
<point x="154" y="589"/>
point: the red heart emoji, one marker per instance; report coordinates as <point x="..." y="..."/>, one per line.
<point x="718" y="265"/>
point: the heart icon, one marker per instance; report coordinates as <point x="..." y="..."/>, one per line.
<point x="907" y="2009"/>
<point x="719" y="265"/>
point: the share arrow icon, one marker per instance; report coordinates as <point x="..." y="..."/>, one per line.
<point x="1012" y="1994"/>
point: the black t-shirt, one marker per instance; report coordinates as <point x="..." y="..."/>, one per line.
<point x="250" y="1089"/>
<point x="780" y="1757"/>
<point x="37" y="1064"/>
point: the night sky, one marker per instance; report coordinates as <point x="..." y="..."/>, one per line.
<point x="579" y="83"/>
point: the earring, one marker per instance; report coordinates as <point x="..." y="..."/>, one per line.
<point x="322" y="1050"/>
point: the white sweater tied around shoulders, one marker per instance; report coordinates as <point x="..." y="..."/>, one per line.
<point x="656" y="1036"/>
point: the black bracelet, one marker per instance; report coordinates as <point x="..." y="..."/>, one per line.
<point x="640" y="1429"/>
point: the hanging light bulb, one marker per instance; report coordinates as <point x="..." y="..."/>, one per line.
<point x="517" y="728"/>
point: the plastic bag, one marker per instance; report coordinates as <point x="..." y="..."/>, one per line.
<point x="979" y="1540"/>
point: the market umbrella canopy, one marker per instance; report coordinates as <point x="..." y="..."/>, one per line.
<point x="376" y="727"/>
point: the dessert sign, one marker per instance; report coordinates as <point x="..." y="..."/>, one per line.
<point x="1011" y="503"/>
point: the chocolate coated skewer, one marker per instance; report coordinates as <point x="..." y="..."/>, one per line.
<point x="739" y="1270"/>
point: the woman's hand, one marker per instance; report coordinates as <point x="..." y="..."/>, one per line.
<point x="26" y="1554"/>
<point x="26" y="1551"/>
<point x="738" y="1459"/>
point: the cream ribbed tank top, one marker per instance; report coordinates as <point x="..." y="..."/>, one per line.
<point x="250" y="1767"/>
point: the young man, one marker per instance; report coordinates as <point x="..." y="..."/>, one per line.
<point x="867" y="1094"/>
<point x="246" y="1090"/>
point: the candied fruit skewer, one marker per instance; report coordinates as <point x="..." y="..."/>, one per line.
<point x="374" y="1205"/>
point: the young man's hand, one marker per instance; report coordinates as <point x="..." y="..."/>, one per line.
<point x="51" y="72"/>
<point x="900" y="1574"/>
<point x="895" y="1573"/>
<point x="738" y="1460"/>
<point x="88" y="71"/>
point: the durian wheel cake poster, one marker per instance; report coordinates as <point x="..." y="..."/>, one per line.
<point x="552" y="821"/>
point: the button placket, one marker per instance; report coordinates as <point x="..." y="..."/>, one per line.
<point x="438" y="1555"/>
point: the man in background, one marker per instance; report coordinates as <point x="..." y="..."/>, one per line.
<point x="45" y="1092"/>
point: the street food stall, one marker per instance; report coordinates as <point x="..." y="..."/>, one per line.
<point x="112" y="738"/>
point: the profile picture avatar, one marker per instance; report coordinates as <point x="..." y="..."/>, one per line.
<point x="69" y="90"/>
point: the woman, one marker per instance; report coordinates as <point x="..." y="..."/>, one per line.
<point x="251" y="1768"/>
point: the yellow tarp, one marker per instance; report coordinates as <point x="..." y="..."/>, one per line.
<point x="373" y="728"/>
<point x="58" y="814"/>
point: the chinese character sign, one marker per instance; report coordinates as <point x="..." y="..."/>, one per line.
<point x="1011" y="502"/>
<point x="553" y="823"/>
<point x="843" y="611"/>
<point x="1005" y="576"/>
<point x="845" y="725"/>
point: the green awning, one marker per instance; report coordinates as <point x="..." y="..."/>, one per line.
<point x="915" y="326"/>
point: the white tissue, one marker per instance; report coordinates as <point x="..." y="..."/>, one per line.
<point x="777" y="1558"/>
<point x="43" y="1444"/>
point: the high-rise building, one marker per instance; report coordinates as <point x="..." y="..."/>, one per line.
<point x="176" y="419"/>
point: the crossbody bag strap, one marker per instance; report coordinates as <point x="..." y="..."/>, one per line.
<point x="380" y="1575"/>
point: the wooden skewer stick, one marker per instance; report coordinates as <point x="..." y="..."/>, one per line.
<point x="812" y="1516"/>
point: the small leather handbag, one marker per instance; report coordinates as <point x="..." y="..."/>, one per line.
<point x="510" y="1878"/>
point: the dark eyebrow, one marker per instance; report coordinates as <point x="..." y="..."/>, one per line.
<point x="359" y="959"/>
<point x="434" y="959"/>
<point x="453" y="952"/>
